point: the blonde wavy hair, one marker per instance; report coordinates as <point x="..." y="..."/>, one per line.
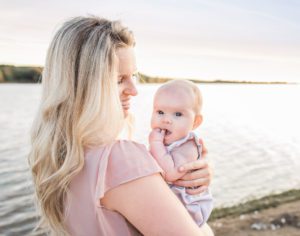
<point x="80" y="108"/>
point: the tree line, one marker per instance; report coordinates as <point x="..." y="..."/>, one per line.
<point x="20" y="74"/>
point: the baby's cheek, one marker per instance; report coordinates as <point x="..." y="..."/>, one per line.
<point x="153" y="122"/>
<point x="183" y="129"/>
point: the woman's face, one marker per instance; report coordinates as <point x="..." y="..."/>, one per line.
<point x="126" y="76"/>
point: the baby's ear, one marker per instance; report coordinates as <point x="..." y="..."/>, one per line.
<point x="197" y="121"/>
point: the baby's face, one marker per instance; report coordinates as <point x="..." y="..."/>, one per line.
<point x="173" y="113"/>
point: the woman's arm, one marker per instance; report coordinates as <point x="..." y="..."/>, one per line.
<point x="152" y="208"/>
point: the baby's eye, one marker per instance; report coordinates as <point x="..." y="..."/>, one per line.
<point x="160" y="112"/>
<point x="178" y="114"/>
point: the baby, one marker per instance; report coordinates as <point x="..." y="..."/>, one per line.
<point x="176" y="113"/>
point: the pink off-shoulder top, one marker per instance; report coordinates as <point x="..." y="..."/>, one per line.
<point x="105" y="168"/>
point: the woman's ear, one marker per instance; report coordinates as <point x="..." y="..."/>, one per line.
<point x="197" y="121"/>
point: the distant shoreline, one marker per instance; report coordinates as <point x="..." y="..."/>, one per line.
<point x="27" y="74"/>
<point x="230" y="82"/>
<point x="149" y="79"/>
<point x="20" y="74"/>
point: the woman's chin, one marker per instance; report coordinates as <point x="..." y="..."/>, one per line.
<point x="126" y="112"/>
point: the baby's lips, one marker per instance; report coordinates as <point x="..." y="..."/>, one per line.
<point x="167" y="132"/>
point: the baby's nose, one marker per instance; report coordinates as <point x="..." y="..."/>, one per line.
<point x="167" y="120"/>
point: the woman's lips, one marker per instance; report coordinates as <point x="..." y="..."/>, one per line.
<point x="126" y="104"/>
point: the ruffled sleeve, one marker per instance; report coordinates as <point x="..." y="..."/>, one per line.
<point x="122" y="162"/>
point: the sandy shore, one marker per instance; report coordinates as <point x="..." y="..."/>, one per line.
<point x="280" y="219"/>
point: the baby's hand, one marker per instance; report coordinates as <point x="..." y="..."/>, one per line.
<point x="157" y="135"/>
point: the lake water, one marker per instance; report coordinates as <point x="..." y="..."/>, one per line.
<point x="252" y="133"/>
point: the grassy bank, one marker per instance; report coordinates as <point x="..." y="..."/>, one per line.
<point x="270" y="201"/>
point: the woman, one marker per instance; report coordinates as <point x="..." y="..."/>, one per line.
<point x="87" y="181"/>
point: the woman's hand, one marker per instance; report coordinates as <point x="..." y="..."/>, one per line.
<point x="198" y="176"/>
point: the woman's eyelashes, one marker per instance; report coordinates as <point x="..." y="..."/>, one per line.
<point x="122" y="79"/>
<point x="135" y="77"/>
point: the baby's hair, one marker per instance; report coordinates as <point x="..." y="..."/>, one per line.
<point x="189" y="87"/>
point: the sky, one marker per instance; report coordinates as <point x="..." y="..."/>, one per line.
<point x="198" y="39"/>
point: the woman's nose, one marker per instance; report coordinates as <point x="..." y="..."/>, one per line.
<point x="131" y="88"/>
